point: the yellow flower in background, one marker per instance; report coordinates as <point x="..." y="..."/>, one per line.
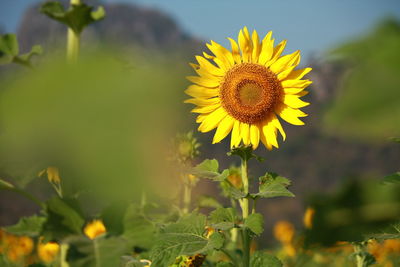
<point x="308" y="217"/>
<point x="53" y="174"/>
<point x="47" y="252"/>
<point x="284" y="232"/>
<point x="94" y="229"/>
<point x="243" y="91"/>
<point x="18" y="247"/>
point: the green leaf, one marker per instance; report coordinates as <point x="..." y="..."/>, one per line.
<point x="138" y="230"/>
<point x="25" y="59"/>
<point x="223" y="218"/>
<point x="395" y="139"/>
<point x="9" y="45"/>
<point x="273" y="185"/>
<point x="245" y="153"/>
<point x="208" y="202"/>
<point x="392" y="178"/>
<point x="224" y="264"/>
<point x="185" y="237"/>
<point x="77" y="17"/>
<point x="262" y="259"/>
<point x="100" y="252"/>
<point x="111" y="217"/>
<point x="255" y="223"/>
<point x="64" y="218"/>
<point x="209" y="169"/>
<point x="27" y="226"/>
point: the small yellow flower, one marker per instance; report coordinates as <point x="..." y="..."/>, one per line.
<point x="235" y="177"/>
<point x="308" y="217"/>
<point x="147" y="262"/>
<point x="209" y="231"/>
<point x="48" y="252"/>
<point x="53" y="174"/>
<point x="18" y="247"/>
<point x="94" y="229"/>
<point x="284" y="232"/>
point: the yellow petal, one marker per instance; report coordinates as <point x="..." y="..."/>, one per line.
<point x="203" y="72"/>
<point x="294" y="101"/>
<point x="277" y="52"/>
<point x="290" y="115"/>
<point x="245" y="133"/>
<point x="212" y="120"/>
<point x="201" y="117"/>
<point x="296" y="83"/>
<point x="203" y="102"/>
<point x="235" y="136"/>
<point x="275" y="121"/>
<point x="210" y="83"/>
<point x="264" y="139"/>
<point x="302" y="93"/>
<point x="284" y="62"/>
<point x="267" y="49"/>
<point x="199" y="91"/>
<point x="254" y="135"/>
<point x="269" y="131"/>
<point x="256" y="47"/>
<point x="298" y="74"/>
<point x="222" y="53"/>
<point x="281" y="76"/>
<point x="224" y="128"/>
<point x="204" y="63"/>
<point x="292" y="91"/>
<point x="245" y="44"/>
<point x="235" y="51"/>
<point x="206" y="109"/>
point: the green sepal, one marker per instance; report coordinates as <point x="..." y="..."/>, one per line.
<point x="9" y="51"/>
<point x="245" y="153"/>
<point x="392" y="178"/>
<point x="77" y="17"/>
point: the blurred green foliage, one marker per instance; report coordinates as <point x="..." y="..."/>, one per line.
<point x="104" y="124"/>
<point x="368" y="104"/>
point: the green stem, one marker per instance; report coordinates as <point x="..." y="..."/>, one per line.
<point x="245" y="213"/>
<point x="230" y="256"/>
<point x="96" y="253"/>
<point x="73" y="40"/>
<point x="187" y="196"/>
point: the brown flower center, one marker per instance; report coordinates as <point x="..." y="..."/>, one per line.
<point x="249" y="92"/>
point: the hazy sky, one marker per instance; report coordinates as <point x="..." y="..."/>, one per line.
<point x="310" y="25"/>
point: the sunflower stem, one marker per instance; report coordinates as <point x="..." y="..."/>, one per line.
<point x="187" y="196"/>
<point x="246" y="239"/>
<point x="73" y="40"/>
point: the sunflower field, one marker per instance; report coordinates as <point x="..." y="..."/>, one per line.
<point x="155" y="148"/>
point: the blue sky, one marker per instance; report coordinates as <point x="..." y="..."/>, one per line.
<point x="312" y="26"/>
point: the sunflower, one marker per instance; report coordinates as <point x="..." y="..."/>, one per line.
<point x="245" y="90"/>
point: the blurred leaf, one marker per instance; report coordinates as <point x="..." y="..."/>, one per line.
<point x="111" y="217"/>
<point x="27" y="226"/>
<point x="368" y="106"/>
<point x="209" y="169"/>
<point x="263" y="259"/>
<point x="224" y="264"/>
<point x="64" y="218"/>
<point x="245" y="153"/>
<point x="396" y="139"/>
<point x="139" y="231"/>
<point x="208" y="202"/>
<point x="255" y="223"/>
<point x="223" y="218"/>
<point x="9" y="50"/>
<point x="100" y="252"/>
<point x="392" y="179"/>
<point x="185" y="237"/>
<point x="273" y="185"/>
<point x="9" y="45"/>
<point x="77" y="17"/>
<point x="5" y="185"/>
<point x="129" y="261"/>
